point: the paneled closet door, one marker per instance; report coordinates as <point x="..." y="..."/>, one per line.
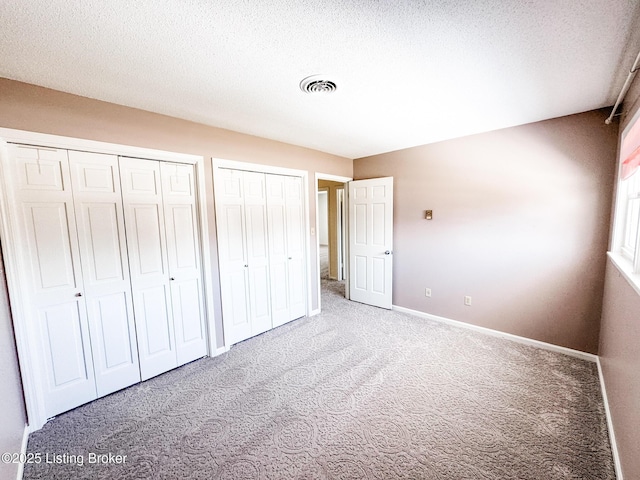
<point x="285" y="217"/>
<point x="183" y="253"/>
<point x="58" y="314"/>
<point x="255" y="207"/>
<point x="107" y="289"/>
<point x="234" y="272"/>
<point x="146" y="245"/>
<point x="278" y="252"/>
<point x="295" y="247"/>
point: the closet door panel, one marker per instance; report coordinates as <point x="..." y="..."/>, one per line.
<point x="55" y="265"/>
<point x="100" y="221"/>
<point x="66" y="347"/>
<point x="56" y="309"/>
<point x="234" y="278"/>
<point x="259" y="299"/>
<point x="296" y="247"/>
<point x="146" y="244"/>
<point x="278" y="258"/>
<point x="156" y="332"/>
<point x="183" y="253"/>
<point x="257" y="252"/>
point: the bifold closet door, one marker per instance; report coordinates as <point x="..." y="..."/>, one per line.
<point x="244" y="254"/>
<point x="260" y="220"/>
<point x="296" y="247"/>
<point x="57" y="310"/>
<point x="107" y="289"/>
<point x="257" y="255"/>
<point x="234" y="274"/>
<point x="183" y="255"/>
<point x="286" y="247"/>
<point x="146" y="245"/>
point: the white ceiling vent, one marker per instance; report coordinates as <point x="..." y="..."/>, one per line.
<point x="317" y="84"/>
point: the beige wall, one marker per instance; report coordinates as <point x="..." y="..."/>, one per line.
<point x="332" y="188"/>
<point x="12" y="414"/>
<point x="520" y="223"/>
<point x="27" y="107"/>
<point x="620" y="346"/>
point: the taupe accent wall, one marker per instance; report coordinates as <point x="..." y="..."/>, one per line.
<point x="620" y="346"/>
<point x="12" y="413"/>
<point x="520" y="224"/>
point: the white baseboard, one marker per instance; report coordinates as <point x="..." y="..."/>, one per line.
<point x="23" y="451"/>
<point x="612" y="436"/>
<point x="496" y="333"/>
<point x="315" y="312"/>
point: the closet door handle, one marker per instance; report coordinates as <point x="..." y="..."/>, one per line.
<point x="171" y="278"/>
<point x="79" y="294"/>
<point x="246" y="266"/>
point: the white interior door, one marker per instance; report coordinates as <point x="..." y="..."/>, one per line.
<point x="183" y="253"/>
<point x="57" y="312"/>
<point x="146" y="245"/>
<point x="234" y="274"/>
<point x="107" y="288"/>
<point x="371" y="241"/>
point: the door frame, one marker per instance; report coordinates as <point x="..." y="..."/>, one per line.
<point x="345" y="180"/>
<point x="342" y="230"/>
<point x="12" y="251"/>
<point x="220" y="163"/>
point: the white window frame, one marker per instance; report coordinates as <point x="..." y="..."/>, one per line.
<point x="624" y="256"/>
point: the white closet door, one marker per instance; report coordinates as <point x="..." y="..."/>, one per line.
<point x="234" y="274"/>
<point x="286" y="247"/>
<point x="146" y="244"/>
<point x="58" y="315"/>
<point x="183" y="253"/>
<point x="99" y="217"/>
<point x="278" y="256"/>
<point x="255" y="204"/>
<point x="295" y="247"/>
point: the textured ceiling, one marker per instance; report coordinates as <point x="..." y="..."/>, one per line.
<point x="408" y="72"/>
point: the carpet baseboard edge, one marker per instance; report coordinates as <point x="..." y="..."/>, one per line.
<point x="496" y="333"/>
<point x="607" y="410"/>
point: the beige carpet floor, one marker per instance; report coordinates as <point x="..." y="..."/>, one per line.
<point x="354" y="393"/>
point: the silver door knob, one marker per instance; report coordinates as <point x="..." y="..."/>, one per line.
<point x="387" y="252"/>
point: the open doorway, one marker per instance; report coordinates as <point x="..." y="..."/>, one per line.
<point x="360" y="252"/>
<point x="332" y="231"/>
